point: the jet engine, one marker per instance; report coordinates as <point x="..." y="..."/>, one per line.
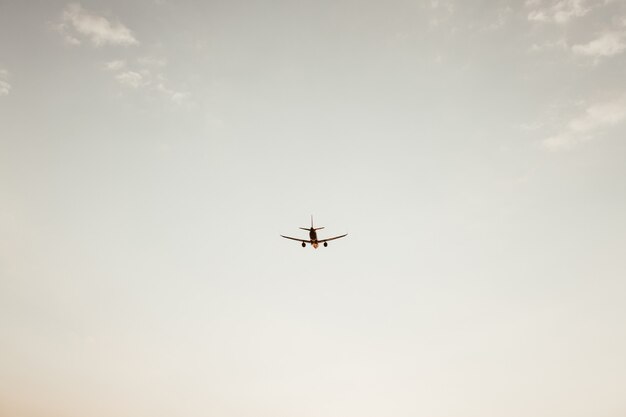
<point x="325" y="244"/>
<point x="303" y="244"/>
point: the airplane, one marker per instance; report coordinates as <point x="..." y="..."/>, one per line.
<point x="313" y="240"/>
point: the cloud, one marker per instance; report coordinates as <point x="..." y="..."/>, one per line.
<point x="560" y="11"/>
<point x="531" y="126"/>
<point x="77" y="22"/>
<point x="150" y="61"/>
<point x="608" y="44"/>
<point x="5" y="87"/>
<point x="596" y="118"/>
<point x="549" y="46"/>
<point x="177" y="97"/>
<point x="440" y="12"/>
<point x="115" y="65"/>
<point x="146" y="73"/>
<point x="131" y="79"/>
<point x="445" y="4"/>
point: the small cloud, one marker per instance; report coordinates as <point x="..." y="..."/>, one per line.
<point x="76" y="21"/>
<point x="131" y="79"/>
<point x="501" y="19"/>
<point x="537" y="16"/>
<point x="177" y="97"/>
<point x="146" y="79"/>
<point x="600" y="115"/>
<point x="446" y="5"/>
<point x="440" y="12"/>
<point x="546" y="46"/>
<point x="5" y="87"/>
<point x="559" y="142"/>
<point x="115" y="65"/>
<point x="586" y="126"/>
<point x="561" y="11"/>
<point x="608" y="44"/>
<point x="150" y="61"/>
<point x="69" y="39"/>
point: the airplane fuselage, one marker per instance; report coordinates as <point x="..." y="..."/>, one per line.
<point x="313" y="237"/>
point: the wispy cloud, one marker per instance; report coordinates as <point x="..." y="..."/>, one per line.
<point x="500" y="19"/>
<point x="596" y="118"/>
<point x="147" y="72"/>
<point x="177" y="97"/>
<point x="609" y="41"/>
<point x="115" y="65"/>
<point x="5" y="87"/>
<point x="607" y="44"/>
<point x="151" y="61"/>
<point x="77" y="23"/>
<point x="132" y="79"/>
<point x="440" y="12"/>
<point x="559" y="44"/>
<point x="557" y="11"/>
<point x="442" y="4"/>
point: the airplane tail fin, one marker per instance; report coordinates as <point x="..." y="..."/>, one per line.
<point x="314" y="228"/>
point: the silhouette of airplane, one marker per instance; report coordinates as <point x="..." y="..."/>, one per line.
<point x="313" y="240"/>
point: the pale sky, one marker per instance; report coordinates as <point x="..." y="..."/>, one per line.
<point x="152" y="152"/>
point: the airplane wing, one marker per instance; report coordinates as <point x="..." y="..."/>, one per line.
<point x="299" y="240"/>
<point x="331" y="238"/>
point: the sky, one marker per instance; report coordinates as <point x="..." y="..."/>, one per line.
<point x="153" y="151"/>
